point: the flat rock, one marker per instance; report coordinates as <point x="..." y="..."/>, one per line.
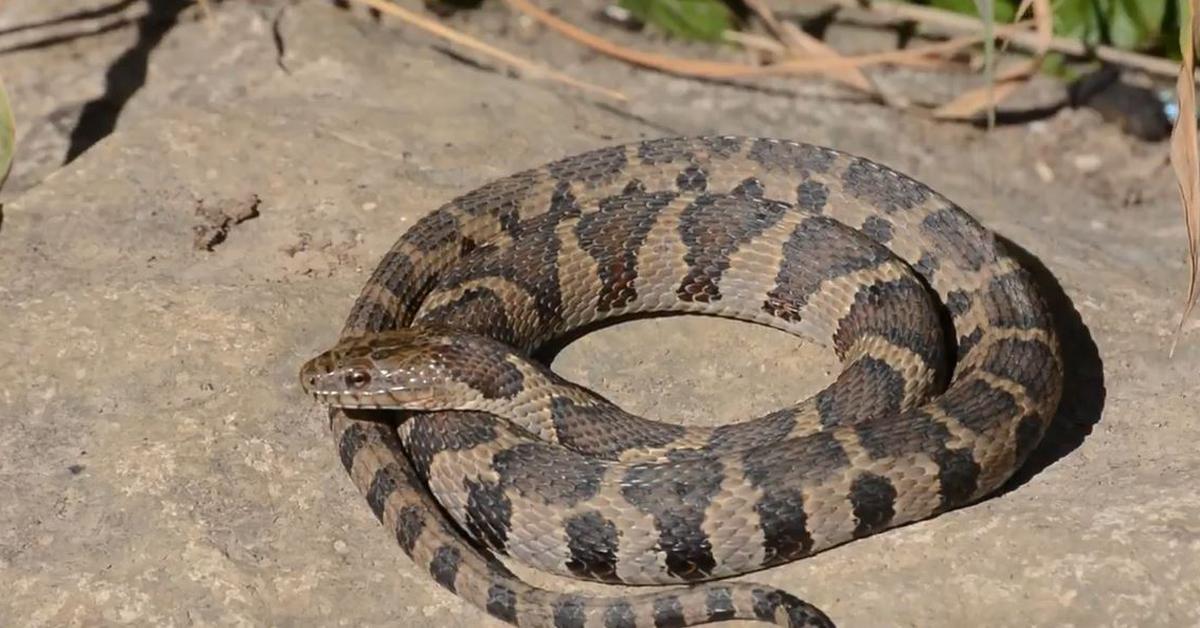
<point x="161" y="466"/>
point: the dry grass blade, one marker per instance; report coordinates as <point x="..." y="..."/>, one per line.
<point x="751" y="41"/>
<point x="8" y="134"/>
<point x="700" y="68"/>
<point x="917" y="55"/>
<point x="970" y="103"/>
<point x="1184" y="159"/>
<point x="525" y="66"/>
<point x="1043" y="24"/>
<point x="800" y="43"/>
<point x="674" y="65"/>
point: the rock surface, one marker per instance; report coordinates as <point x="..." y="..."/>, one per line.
<point x="160" y="466"/>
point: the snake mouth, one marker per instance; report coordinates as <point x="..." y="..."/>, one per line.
<point x="373" y="400"/>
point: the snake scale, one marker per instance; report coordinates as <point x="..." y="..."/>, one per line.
<point x="951" y="372"/>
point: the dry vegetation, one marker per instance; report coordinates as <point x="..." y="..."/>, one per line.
<point x="790" y="51"/>
<point x="779" y="47"/>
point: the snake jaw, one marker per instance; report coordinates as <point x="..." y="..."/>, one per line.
<point x="356" y="384"/>
<point x="374" y="400"/>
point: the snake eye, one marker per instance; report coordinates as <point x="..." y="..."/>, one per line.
<point x="358" y="378"/>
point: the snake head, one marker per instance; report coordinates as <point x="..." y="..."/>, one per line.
<point x="409" y="369"/>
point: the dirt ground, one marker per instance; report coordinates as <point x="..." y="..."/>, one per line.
<point x="160" y="466"/>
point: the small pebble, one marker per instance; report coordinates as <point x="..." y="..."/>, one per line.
<point x="1087" y="164"/>
<point x="1043" y="171"/>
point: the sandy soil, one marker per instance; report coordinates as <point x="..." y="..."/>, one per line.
<point x="160" y="466"/>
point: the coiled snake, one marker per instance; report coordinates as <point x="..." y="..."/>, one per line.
<point x="499" y="455"/>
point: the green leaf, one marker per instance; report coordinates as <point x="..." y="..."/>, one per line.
<point x="690" y="19"/>
<point x="8" y="134"/>
<point x="1078" y="19"/>
<point x="1002" y="10"/>
<point x="1171" y="31"/>
<point x="1128" y="24"/>
<point x="1134" y="24"/>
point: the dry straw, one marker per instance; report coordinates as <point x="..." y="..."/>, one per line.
<point x="1184" y="159"/>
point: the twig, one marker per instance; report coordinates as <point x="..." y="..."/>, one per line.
<point x="762" y="43"/>
<point x="754" y="42"/>
<point x="950" y="46"/>
<point x="529" y="68"/>
<point x="701" y="68"/>
<point x="802" y="44"/>
<point x="1022" y="40"/>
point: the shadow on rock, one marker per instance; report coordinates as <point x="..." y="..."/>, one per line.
<point x="1083" y="375"/>
<point x="1083" y="392"/>
<point x="78" y="16"/>
<point x="125" y="76"/>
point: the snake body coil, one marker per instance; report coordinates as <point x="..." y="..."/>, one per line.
<point x="780" y="233"/>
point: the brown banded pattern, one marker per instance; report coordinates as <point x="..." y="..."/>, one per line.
<point x="526" y="464"/>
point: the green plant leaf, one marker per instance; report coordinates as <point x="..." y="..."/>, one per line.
<point x="8" y="134"/>
<point x="1078" y="19"/>
<point x="690" y="19"/>
<point x="1134" y="24"/>
<point x="1128" y="24"/>
<point x="1002" y="10"/>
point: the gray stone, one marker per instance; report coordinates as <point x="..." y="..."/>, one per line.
<point x="160" y="466"/>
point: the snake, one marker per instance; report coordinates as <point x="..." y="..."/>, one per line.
<point x="470" y="449"/>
